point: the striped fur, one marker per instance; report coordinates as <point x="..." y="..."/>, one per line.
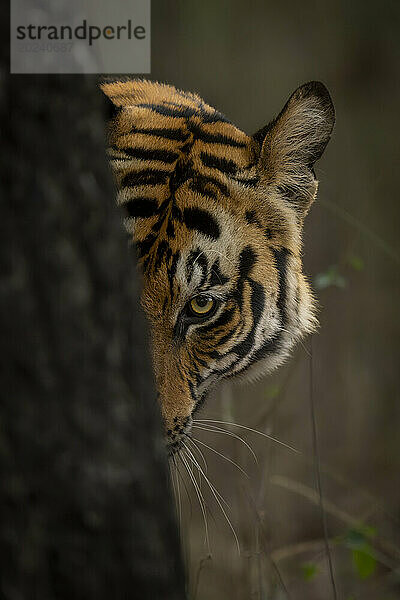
<point x="214" y="211"/>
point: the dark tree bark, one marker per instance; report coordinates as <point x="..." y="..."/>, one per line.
<point x="86" y="509"/>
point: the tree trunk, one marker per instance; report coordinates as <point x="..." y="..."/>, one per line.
<point x="86" y="509"/>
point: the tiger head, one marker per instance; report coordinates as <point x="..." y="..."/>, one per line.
<point x="216" y="217"/>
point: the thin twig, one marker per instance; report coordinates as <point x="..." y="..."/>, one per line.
<point x="317" y="473"/>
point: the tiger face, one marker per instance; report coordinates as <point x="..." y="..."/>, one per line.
<point x="216" y="218"/>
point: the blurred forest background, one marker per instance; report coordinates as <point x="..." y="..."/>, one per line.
<point x="246" y="59"/>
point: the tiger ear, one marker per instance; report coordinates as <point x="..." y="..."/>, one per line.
<point x="294" y="141"/>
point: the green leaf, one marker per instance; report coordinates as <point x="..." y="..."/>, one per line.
<point x="273" y="391"/>
<point x="309" y="571"/>
<point x="355" y="262"/>
<point x="330" y="277"/>
<point x="368" y="531"/>
<point x="364" y="562"/>
<point x="357" y="537"/>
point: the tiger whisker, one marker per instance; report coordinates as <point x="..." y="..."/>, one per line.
<point x="178" y="493"/>
<point x="200" y="498"/>
<point x="263" y="434"/>
<point x="216" y="495"/>
<point x="196" y="463"/>
<point x="184" y="485"/>
<point x="172" y="472"/>
<point x="196" y="474"/>
<point x="215" y="429"/>
<point x="196" y="440"/>
<point x="192" y="440"/>
<point x="202" y="457"/>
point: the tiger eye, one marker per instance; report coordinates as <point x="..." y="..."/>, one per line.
<point x="201" y="305"/>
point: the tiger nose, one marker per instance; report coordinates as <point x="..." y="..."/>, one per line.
<point x="175" y="434"/>
<point x="174" y="396"/>
<point x="176" y="414"/>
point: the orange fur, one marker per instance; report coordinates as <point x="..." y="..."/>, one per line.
<point x="215" y="211"/>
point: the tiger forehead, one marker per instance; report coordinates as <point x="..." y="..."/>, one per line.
<point x="188" y="179"/>
<point x="199" y="256"/>
<point x="164" y="139"/>
<point x="192" y="263"/>
<point x="176" y="134"/>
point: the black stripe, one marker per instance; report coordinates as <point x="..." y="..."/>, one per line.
<point x="171" y="274"/>
<point x="251" y="218"/>
<point x="225" y="339"/>
<point x="250" y="181"/>
<point x="269" y="347"/>
<point x="158" y="224"/>
<point x="184" y="112"/>
<point x="216" y="277"/>
<point x="247" y="260"/>
<point x="201" y="183"/>
<point x="197" y="182"/>
<point x="169" y="134"/>
<point x="176" y="213"/>
<point x="273" y="344"/>
<point x="141" y="207"/>
<point x="170" y="229"/>
<point x="144" y="246"/>
<point x="222" y="320"/>
<point x="145" y="177"/>
<point x="161" y="250"/>
<point x="242" y="349"/>
<point x="165" y="156"/>
<point x="208" y="114"/>
<point x="182" y="172"/>
<point x="202" y="362"/>
<point x="216" y="162"/>
<point x="194" y="372"/>
<point x="281" y="260"/>
<point x="202" y="221"/>
<point x="214" y="138"/>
